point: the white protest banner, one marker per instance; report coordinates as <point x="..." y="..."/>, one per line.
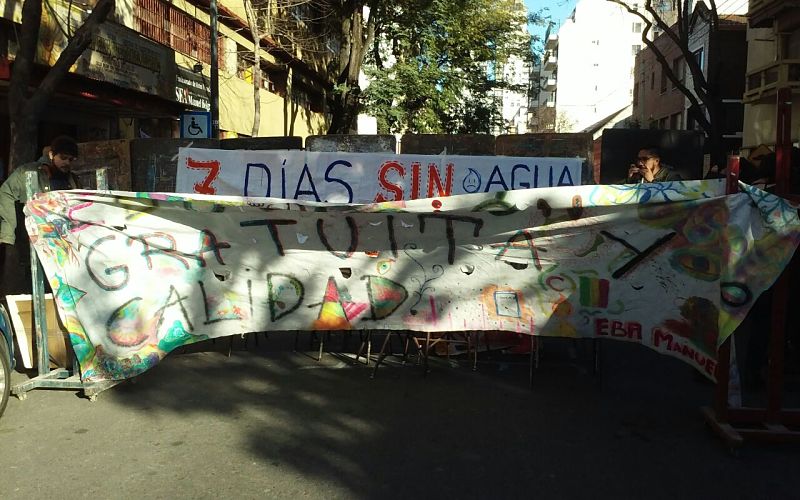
<point x="673" y="266"/>
<point x="363" y="177"/>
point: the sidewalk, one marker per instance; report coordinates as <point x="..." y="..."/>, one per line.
<point x="276" y="424"/>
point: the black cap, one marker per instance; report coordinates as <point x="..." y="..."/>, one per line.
<point x="64" y="144"/>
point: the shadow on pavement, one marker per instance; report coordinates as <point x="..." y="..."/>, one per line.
<point x="269" y="422"/>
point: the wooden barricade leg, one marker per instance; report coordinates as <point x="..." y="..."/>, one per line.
<point x="771" y="423"/>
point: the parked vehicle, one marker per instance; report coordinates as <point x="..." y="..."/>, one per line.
<point x="6" y="357"/>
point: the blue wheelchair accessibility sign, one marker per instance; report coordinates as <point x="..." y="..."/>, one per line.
<point x="195" y="125"/>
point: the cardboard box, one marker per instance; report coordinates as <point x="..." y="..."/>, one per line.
<point x="20" y="309"/>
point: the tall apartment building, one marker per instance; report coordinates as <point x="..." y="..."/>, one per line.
<point x="591" y="63"/>
<point x="151" y="60"/>
<point x="513" y="103"/>
<point x="543" y="105"/>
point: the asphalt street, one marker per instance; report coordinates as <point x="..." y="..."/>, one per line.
<point x="266" y="422"/>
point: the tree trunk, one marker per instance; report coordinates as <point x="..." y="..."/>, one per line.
<point x="252" y="21"/>
<point x="356" y="38"/>
<point x="24" y="131"/>
<point x="26" y="110"/>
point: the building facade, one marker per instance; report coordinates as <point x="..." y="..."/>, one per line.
<point x="592" y="63"/>
<point x="660" y="104"/>
<point x="773" y="62"/>
<point x="657" y="102"/>
<point x="151" y="60"/>
<point x="512" y="98"/>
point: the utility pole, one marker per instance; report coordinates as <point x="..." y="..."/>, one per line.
<point x="214" y="73"/>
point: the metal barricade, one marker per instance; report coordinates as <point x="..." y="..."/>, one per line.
<point x="58" y="378"/>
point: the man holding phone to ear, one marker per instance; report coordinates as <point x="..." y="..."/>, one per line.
<point x="649" y="168"/>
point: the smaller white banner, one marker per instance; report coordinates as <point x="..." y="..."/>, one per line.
<point x="363" y="177"/>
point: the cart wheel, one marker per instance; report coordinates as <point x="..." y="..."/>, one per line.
<point x="5" y="374"/>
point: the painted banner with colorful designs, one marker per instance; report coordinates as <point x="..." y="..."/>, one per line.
<point x="673" y="266"/>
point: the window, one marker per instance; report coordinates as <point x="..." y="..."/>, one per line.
<point x="244" y="64"/>
<point x="698" y="56"/>
<point x="637" y="27"/>
<point x="174" y="28"/>
<point x="635" y="49"/>
<point x="791" y="45"/>
<point x="674" y="121"/>
<point x="678" y="69"/>
<point x="663" y="87"/>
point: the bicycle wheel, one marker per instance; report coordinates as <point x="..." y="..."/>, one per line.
<point x="5" y="374"/>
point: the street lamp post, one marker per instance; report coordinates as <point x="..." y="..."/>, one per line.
<point x="214" y="72"/>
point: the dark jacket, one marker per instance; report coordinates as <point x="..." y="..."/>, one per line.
<point x="13" y="191"/>
<point x="665" y="174"/>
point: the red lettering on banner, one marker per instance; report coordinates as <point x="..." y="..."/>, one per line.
<point x="415" y="180"/>
<point x="617" y="330"/>
<point x="435" y="178"/>
<point x="660" y="336"/>
<point x="635" y="331"/>
<point x="391" y="187"/>
<point x="629" y="330"/>
<point x="668" y="342"/>
<point x="205" y="186"/>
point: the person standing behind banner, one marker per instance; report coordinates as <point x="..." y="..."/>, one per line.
<point x="649" y="168"/>
<point x="54" y="169"/>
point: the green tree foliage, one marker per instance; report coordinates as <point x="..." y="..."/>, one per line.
<point x="433" y="63"/>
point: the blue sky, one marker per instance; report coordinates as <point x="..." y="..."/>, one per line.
<point x="557" y="10"/>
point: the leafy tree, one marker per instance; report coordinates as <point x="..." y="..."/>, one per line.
<point x="26" y="106"/>
<point x="433" y="64"/>
<point x="705" y="101"/>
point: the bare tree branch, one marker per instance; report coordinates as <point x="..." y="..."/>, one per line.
<point x="699" y="81"/>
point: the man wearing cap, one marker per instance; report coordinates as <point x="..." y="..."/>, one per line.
<point x="54" y="174"/>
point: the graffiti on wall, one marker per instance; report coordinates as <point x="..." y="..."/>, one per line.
<point x="671" y="266"/>
<point x="363" y="177"/>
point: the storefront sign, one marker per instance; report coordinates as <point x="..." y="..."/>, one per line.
<point x="192" y="89"/>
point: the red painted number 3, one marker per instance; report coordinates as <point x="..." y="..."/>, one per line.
<point x="205" y="187"/>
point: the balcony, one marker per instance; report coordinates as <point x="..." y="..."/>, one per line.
<point x="550" y="62"/>
<point x="550" y="84"/>
<point x="763" y="83"/>
<point x="763" y="12"/>
<point x="552" y="42"/>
